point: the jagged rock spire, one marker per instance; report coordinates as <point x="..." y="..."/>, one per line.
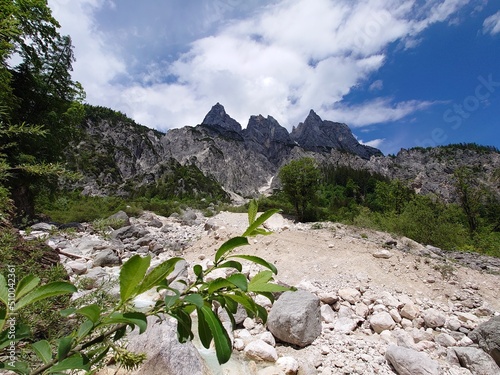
<point x="218" y="116"/>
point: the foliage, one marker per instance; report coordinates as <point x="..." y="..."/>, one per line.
<point x="300" y="181"/>
<point x="39" y="103"/>
<point x="100" y="329"/>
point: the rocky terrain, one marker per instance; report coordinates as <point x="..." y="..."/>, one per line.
<point x="117" y="156"/>
<point x="367" y="302"/>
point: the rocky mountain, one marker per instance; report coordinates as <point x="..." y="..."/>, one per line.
<point x="118" y="156"/>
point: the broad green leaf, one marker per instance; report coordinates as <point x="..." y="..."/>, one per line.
<point x="223" y="347"/>
<point x="85" y="329"/>
<point x="120" y="333"/>
<point x="43" y="350"/>
<point x="4" y="290"/>
<point x="261" y="313"/>
<point x="218" y="284"/>
<point x="259" y="221"/>
<point x="184" y="323"/>
<point x="171" y="300"/>
<point x="131" y="276"/>
<point x="261" y="277"/>
<point x="198" y="270"/>
<point x="92" y="312"/>
<point x="75" y="362"/>
<point x="195" y="299"/>
<point x="3" y="315"/>
<point x="231" y="305"/>
<point x="257" y="260"/>
<point x="231" y="264"/>
<point x="67" y="312"/>
<point x="22" y="331"/>
<point x="267" y="287"/>
<point x="19" y="367"/>
<point x="56" y="288"/>
<point x="64" y="347"/>
<point x="100" y="355"/>
<point x="252" y="211"/>
<point x="158" y="274"/>
<point x="132" y="318"/>
<point x="245" y="301"/>
<point x="204" y="330"/>
<point x="239" y="280"/>
<point x="26" y="285"/>
<point x="230" y="245"/>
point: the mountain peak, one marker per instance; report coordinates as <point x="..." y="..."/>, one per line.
<point x="218" y="116"/>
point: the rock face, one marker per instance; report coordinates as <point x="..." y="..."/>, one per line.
<point x="315" y="134"/>
<point x="165" y="355"/>
<point x="116" y="155"/>
<point x="295" y="318"/>
<point x="487" y="336"/>
<point x="476" y="360"/>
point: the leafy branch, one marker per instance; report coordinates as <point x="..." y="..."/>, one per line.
<point x="100" y="330"/>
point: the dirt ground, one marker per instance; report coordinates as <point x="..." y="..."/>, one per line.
<point x="331" y="256"/>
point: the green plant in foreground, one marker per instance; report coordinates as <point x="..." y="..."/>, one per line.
<point x="101" y="328"/>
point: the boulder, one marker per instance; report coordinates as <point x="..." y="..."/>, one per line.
<point x="382" y="321"/>
<point x="118" y="220"/>
<point x="350" y="295"/>
<point x="106" y="258"/>
<point x="410" y="362"/>
<point x="128" y="232"/>
<point x="261" y="350"/>
<point x="295" y="318"/>
<point x="433" y="318"/>
<point x="476" y="360"/>
<point x="410" y="311"/>
<point x="165" y="355"/>
<point x="487" y="336"/>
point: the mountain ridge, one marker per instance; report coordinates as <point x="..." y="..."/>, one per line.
<point x="117" y="155"/>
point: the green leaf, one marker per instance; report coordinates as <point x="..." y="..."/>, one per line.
<point x="158" y="274"/>
<point x="43" y="350"/>
<point x="245" y="301"/>
<point x="19" y="367"/>
<point x="230" y="245"/>
<point x="131" y="276"/>
<point x="239" y="280"/>
<point x="85" y="329"/>
<point x="67" y="312"/>
<point x="231" y="305"/>
<point x="252" y="211"/>
<point x="218" y="284"/>
<point x="195" y="299"/>
<point x="231" y="264"/>
<point x="26" y="285"/>
<point x="45" y="291"/>
<point x="261" y="277"/>
<point x="267" y="287"/>
<point x="22" y="331"/>
<point x="259" y="221"/>
<point x="132" y="318"/>
<point x="171" y="300"/>
<point x="257" y="260"/>
<point x="223" y="347"/>
<point x="4" y="290"/>
<point x="198" y="270"/>
<point x="75" y="362"/>
<point x="64" y="347"/>
<point x="3" y="315"/>
<point x="120" y="333"/>
<point x="204" y="330"/>
<point x="184" y="323"/>
<point x="91" y="312"/>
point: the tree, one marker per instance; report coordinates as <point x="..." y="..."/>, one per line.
<point x="40" y="105"/>
<point x="300" y="182"/>
<point x="469" y="195"/>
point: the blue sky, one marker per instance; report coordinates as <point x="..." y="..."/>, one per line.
<point x="400" y="73"/>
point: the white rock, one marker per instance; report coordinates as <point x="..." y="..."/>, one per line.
<point x="268" y="338"/>
<point x="288" y="365"/>
<point x="249" y="323"/>
<point x="239" y="344"/>
<point x="383" y="254"/>
<point x="410" y="311"/>
<point x="350" y="295"/>
<point x="345" y="325"/>
<point x="445" y="340"/>
<point x="78" y="267"/>
<point x="395" y="315"/>
<point x="433" y="318"/>
<point x="327" y="314"/>
<point x="260" y="350"/>
<point x="382" y="321"/>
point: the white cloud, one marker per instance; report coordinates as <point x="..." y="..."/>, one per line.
<point x="491" y="24"/>
<point x="282" y="60"/>
<point x="375" y="111"/>
<point x="376" y="85"/>
<point x="373" y="143"/>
